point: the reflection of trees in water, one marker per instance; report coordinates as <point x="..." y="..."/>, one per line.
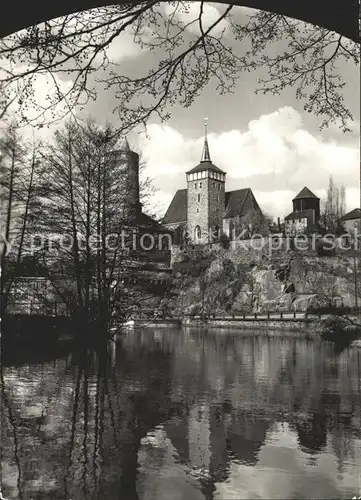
<point x="312" y="433"/>
<point x="93" y="412"/>
<point x="94" y="445"/>
<point x="9" y="435"/>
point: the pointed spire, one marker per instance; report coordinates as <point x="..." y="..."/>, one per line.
<point x="205" y="155"/>
<point x="125" y="145"/>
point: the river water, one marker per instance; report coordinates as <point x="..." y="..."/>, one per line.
<point x="183" y="414"/>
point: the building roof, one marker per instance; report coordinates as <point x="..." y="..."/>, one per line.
<point x="125" y="145"/>
<point x="205" y="165"/>
<point x="237" y="202"/>
<point x="177" y="210"/>
<point x="121" y="148"/>
<point x="302" y="214"/>
<point x="206" y="162"/>
<point x="305" y="193"/>
<point x="145" y="220"/>
<point x="354" y="214"/>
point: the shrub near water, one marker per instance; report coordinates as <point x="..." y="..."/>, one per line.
<point x="330" y="309"/>
<point x="339" y="329"/>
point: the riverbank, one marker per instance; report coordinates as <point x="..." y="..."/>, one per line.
<point x="266" y="324"/>
<point x="317" y="327"/>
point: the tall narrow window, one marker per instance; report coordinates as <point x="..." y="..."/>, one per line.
<point x="199" y="197"/>
<point x="195" y="185"/>
<point x="200" y="185"/>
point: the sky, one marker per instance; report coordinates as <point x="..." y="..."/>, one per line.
<point x="263" y="142"/>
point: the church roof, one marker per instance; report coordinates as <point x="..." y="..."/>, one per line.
<point x="177" y="210"/>
<point x="237" y="202"/>
<point x="354" y="214"/>
<point x="205" y="165"/>
<point x="305" y="193"/>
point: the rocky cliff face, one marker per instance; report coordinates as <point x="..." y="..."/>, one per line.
<point x="255" y="282"/>
<point x="300" y="282"/>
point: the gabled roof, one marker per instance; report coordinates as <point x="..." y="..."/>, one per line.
<point x="205" y="165"/>
<point x="177" y="210"/>
<point x="354" y="214"/>
<point x="302" y="214"/>
<point x="305" y="193"/>
<point x="237" y="202"/>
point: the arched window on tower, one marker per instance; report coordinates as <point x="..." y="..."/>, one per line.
<point x="197" y="233"/>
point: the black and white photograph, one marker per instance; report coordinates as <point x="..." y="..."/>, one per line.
<point x="180" y="246"/>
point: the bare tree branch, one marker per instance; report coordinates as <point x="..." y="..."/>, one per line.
<point x="73" y="51"/>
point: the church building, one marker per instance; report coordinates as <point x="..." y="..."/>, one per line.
<point x="205" y="210"/>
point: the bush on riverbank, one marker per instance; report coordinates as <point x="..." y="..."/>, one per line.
<point x="338" y="329"/>
<point x="329" y="309"/>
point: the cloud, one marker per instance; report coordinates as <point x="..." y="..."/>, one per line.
<point x="159" y="203"/>
<point x="123" y="47"/>
<point x="164" y="149"/>
<point x="276" y="203"/>
<point x="186" y="16"/>
<point x="275" y="156"/>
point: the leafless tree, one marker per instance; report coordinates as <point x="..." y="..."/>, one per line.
<point x="19" y="202"/>
<point x="187" y="52"/>
<point x="334" y="207"/>
<point x="88" y="225"/>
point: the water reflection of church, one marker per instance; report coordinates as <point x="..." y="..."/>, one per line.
<point x="176" y="416"/>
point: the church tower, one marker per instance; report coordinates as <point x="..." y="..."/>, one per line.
<point x="205" y="198"/>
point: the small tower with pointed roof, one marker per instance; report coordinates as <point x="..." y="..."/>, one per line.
<point x="206" y="198"/>
<point x="306" y="200"/>
<point x="306" y="213"/>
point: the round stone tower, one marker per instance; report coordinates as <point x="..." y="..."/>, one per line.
<point x="123" y="164"/>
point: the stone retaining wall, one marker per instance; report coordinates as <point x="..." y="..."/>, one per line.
<point x="283" y="325"/>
